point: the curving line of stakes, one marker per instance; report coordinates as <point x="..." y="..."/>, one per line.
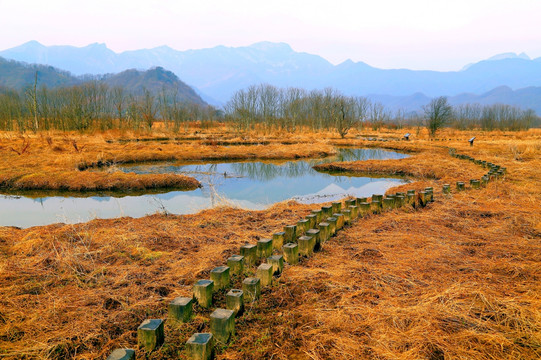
<point x="266" y="260"/>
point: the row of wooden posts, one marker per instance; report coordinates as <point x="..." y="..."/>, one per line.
<point x="494" y="172"/>
<point x="295" y="242"/>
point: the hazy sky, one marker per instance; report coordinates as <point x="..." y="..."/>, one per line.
<point x="415" y="34"/>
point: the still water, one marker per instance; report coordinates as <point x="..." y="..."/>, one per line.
<point x="250" y="185"/>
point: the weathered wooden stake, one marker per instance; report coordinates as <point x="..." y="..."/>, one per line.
<point x="332" y="225"/>
<point x="422" y="198"/>
<point x="234" y="300"/>
<point x="264" y="274"/>
<point x="319" y="214"/>
<point x="354" y="212"/>
<point x="251" y="288"/>
<point x="264" y="248"/>
<point x="347" y="216"/>
<point x="316" y="235"/>
<point x="220" y="276"/>
<point x="388" y="203"/>
<point x="340" y="221"/>
<point x="302" y="226"/>
<point x="361" y="200"/>
<point x="364" y="209"/>
<point x="277" y="262"/>
<point x="150" y="334"/>
<point x="200" y="346"/>
<point x="306" y="245"/>
<point x="180" y="310"/>
<point x="249" y="251"/>
<point x="290" y="233"/>
<point x="375" y="206"/>
<point x="122" y="354"/>
<point x="236" y="264"/>
<point x="325" y="231"/>
<point x="291" y="253"/>
<point x="327" y="211"/>
<point x="311" y="221"/>
<point x="222" y="324"/>
<point x="278" y="240"/>
<point x="202" y="291"/>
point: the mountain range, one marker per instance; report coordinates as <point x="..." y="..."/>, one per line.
<point x="18" y="75"/>
<point x="216" y="73"/>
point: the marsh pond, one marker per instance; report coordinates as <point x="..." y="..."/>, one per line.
<point x="248" y="184"/>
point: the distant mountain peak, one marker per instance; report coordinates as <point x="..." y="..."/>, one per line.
<point x="509" y="55"/>
<point x="97" y="45"/>
<point x="271" y="46"/>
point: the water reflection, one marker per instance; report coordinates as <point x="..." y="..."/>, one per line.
<point x="251" y="185"/>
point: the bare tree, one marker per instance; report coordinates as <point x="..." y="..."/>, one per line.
<point x="438" y="112"/>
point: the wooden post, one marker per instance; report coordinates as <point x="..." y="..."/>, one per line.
<point x="327" y="211"/>
<point x="325" y="232"/>
<point x="332" y="225"/>
<point x="234" y="301"/>
<point x="290" y="233"/>
<point x="150" y="334"/>
<point x="340" y="221"/>
<point x="122" y="354"/>
<point x="375" y="206"/>
<point x="277" y="262"/>
<point x="180" y="310"/>
<point x="399" y="201"/>
<point x="306" y="246"/>
<point x="336" y="207"/>
<point x="200" y="346"/>
<point x="291" y="253"/>
<point x="236" y="264"/>
<point x="249" y="251"/>
<point x="251" y="287"/>
<point x="354" y="212"/>
<point x="364" y="209"/>
<point x="319" y="214"/>
<point x="278" y="240"/>
<point x="316" y="235"/>
<point x="422" y="199"/>
<point x="264" y="274"/>
<point x="311" y="221"/>
<point x="388" y="203"/>
<point x="264" y="248"/>
<point x="220" y="276"/>
<point x="202" y="292"/>
<point x="222" y="324"/>
<point x="302" y="226"/>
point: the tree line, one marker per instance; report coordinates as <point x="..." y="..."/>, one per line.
<point x="95" y="105"/>
<point x="291" y="108"/>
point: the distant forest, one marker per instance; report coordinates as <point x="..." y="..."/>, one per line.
<point x="291" y="108"/>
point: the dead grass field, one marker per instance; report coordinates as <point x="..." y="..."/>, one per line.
<point x="459" y="279"/>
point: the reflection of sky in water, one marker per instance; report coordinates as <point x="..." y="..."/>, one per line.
<point x="252" y="185"/>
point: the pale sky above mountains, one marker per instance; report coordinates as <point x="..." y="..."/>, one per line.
<point x="414" y="34"/>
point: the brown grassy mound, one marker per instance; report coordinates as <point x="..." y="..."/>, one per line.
<point x="55" y="161"/>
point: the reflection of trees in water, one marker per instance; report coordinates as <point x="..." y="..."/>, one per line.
<point x="267" y="171"/>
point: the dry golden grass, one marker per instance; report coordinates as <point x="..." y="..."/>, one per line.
<point x="57" y="161"/>
<point x="459" y="279"/>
